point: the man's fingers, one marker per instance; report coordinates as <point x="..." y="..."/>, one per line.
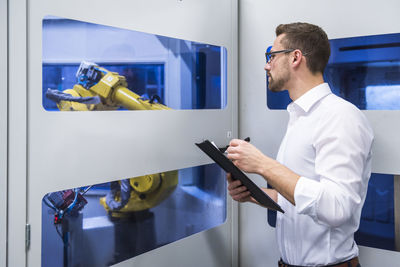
<point x="237" y="190"/>
<point x="234" y="184"/>
<point x="233" y="156"/>
<point x="235" y="142"/>
<point x="229" y="177"/>
<point x="232" y="150"/>
<point x="241" y="197"/>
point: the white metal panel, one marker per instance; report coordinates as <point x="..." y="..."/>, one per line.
<point x="79" y="148"/>
<point x="372" y="257"/>
<point x="3" y="131"/>
<point x="258" y="19"/>
<point x="203" y="249"/>
<point x="17" y="138"/>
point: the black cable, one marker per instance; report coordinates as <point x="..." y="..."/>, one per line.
<point x="58" y="232"/>
<point x="58" y="96"/>
<point x="49" y="204"/>
<point x="65" y="250"/>
<point x="155" y="97"/>
<point x="87" y="189"/>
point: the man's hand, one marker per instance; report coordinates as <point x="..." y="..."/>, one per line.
<point x="238" y="191"/>
<point x="246" y="156"/>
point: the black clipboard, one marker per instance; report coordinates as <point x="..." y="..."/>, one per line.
<point x="216" y="155"/>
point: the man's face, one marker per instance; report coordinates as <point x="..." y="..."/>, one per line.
<point x="278" y="69"/>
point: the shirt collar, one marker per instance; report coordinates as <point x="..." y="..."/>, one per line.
<point x="306" y="101"/>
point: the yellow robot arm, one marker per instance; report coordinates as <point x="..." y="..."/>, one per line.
<point x="110" y="87"/>
<point x="147" y="191"/>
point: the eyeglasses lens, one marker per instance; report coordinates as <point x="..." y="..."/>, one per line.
<point x="267" y="55"/>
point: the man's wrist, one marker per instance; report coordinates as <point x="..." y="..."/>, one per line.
<point x="266" y="166"/>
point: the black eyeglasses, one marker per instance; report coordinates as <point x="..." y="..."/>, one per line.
<point x="269" y="56"/>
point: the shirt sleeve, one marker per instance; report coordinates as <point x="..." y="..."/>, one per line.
<point x="342" y="143"/>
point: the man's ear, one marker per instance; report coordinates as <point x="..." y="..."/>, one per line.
<point x="297" y="58"/>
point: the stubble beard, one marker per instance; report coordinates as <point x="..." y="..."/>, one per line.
<point x="278" y="84"/>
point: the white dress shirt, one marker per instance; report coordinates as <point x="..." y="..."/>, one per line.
<point x="328" y="143"/>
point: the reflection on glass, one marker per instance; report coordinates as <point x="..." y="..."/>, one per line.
<point x="107" y="223"/>
<point x="377" y="227"/>
<point x="363" y="70"/>
<point x="378" y="96"/>
<point x="95" y="67"/>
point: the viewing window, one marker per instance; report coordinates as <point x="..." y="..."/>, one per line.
<point x="104" y="224"/>
<point x="377" y="225"/>
<point x="363" y="70"/>
<point x="89" y="66"/>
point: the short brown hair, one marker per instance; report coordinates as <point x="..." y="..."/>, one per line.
<point x="310" y="39"/>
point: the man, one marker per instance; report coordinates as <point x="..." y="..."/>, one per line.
<point x="321" y="173"/>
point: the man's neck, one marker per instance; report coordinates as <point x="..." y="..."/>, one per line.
<point x="304" y="84"/>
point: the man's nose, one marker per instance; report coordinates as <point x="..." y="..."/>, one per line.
<point x="267" y="67"/>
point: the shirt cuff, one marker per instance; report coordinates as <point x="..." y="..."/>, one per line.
<point x="306" y="194"/>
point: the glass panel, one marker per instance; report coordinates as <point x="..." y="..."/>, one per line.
<point x="382" y="97"/>
<point x="95" y="67"/>
<point x="363" y="70"/>
<point x="92" y="226"/>
<point x="377" y="224"/>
